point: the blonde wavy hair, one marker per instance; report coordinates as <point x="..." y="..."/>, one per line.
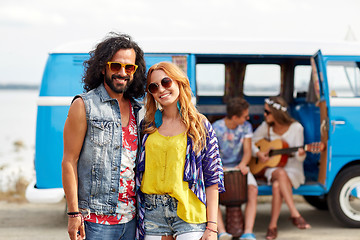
<point x="192" y="119"/>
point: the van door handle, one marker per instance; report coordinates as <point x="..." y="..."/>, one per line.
<point x="334" y="122"/>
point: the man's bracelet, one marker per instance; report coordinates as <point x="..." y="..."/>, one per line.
<point x="77" y="215"/>
<point x="72" y="213"/>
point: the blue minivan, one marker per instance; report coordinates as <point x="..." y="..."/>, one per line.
<point x="320" y="82"/>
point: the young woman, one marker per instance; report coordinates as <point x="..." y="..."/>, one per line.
<point x="179" y="168"/>
<point x="279" y="124"/>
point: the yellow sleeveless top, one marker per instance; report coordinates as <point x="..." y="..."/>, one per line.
<point x="164" y="172"/>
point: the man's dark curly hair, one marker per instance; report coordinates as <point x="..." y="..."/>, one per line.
<point x="103" y="53"/>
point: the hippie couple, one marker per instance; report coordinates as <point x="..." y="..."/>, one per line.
<point x="158" y="179"/>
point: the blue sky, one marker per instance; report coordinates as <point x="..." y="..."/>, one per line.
<point x="30" y="29"/>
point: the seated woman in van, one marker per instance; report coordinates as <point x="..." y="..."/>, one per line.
<point x="279" y="125"/>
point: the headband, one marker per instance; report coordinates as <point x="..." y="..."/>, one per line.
<point x="275" y="105"/>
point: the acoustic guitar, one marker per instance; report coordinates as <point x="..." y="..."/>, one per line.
<point x="278" y="152"/>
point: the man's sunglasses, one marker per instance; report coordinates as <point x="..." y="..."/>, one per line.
<point x="116" y="66"/>
<point x="154" y="87"/>
<point x="267" y="112"/>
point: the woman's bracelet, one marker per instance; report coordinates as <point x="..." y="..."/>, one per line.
<point x="212" y="222"/>
<point x="212" y="230"/>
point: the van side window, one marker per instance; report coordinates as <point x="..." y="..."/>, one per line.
<point x="210" y="79"/>
<point x="302" y="75"/>
<point x="343" y="79"/>
<point x="262" y="80"/>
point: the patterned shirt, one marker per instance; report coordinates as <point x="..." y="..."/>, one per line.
<point x="231" y="141"/>
<point x="125" y="210"/>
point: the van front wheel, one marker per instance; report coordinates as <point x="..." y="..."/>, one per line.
<point x="344" y="197"/>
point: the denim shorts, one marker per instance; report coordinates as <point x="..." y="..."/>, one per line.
<point x="161" y="218"/>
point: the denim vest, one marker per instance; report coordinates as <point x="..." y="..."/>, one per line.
<point x="100" y="157"/>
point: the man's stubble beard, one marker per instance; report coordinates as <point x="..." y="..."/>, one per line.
<point x="112" y="86"/>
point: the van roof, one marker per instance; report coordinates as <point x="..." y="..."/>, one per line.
<point x="229" y="46"/>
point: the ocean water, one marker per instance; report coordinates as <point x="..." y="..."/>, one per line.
<point x="17" y="138"/>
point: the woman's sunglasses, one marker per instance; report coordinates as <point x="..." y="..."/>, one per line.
<point x="116" y="66"/>
<point x="267" y="112"/>
<point x="154" y="87"/>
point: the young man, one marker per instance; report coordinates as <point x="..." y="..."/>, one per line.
<point x="234" y="134"/>
<point x="101" y="142"/>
